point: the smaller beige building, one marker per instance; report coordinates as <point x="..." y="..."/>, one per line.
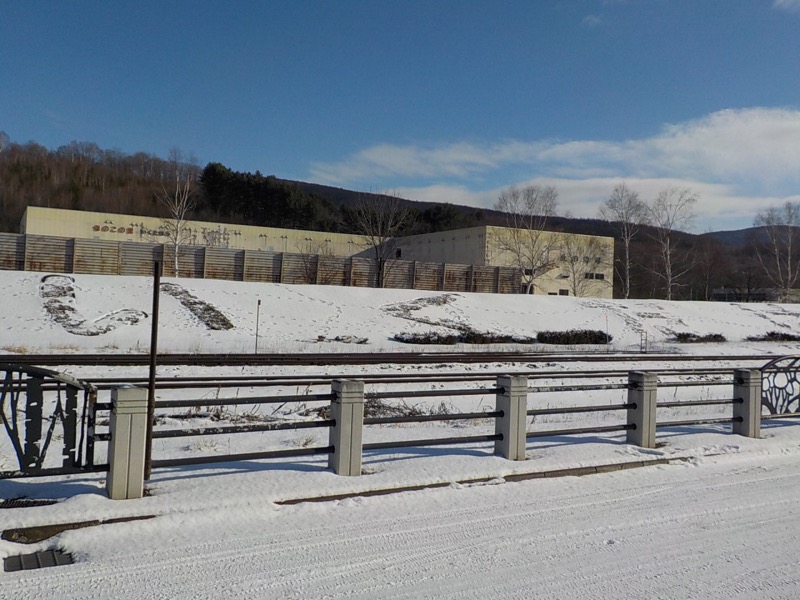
<point x="553" y="263"/>
<point x="135" y="228"/>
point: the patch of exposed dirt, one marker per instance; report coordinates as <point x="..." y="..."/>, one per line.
<point x="58" y="293"/>
<point x="207" y="314"/>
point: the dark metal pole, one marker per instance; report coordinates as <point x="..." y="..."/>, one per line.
<point x="151" y="386"/>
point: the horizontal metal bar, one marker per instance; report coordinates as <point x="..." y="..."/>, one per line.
<point x="578" y="409"/>
<point x="252" y="428"/>
<point x="204" y="460"/>
<point x="698" y="422"/>
<point x="578" y="431"/>
<point x="781" y="416"/>
<point x="431" y="393"/>
<point x="452" y="441"/>
<point x="677" y="384"/>
<point x="241" y="401"/>
<point x="713" y="402"/>
<point x="53" y="472"/>
<point x="429" y="418"/>
<point x="578" y="388"/>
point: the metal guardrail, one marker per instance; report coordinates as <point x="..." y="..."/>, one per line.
<point x="372" y="400"/>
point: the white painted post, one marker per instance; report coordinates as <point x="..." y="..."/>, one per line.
<point x="347" y="410"/>
<point x="512" y="400"/>
<point x="747" y="387"/>
<point x="642" y="388"/>
<point x="126" y="450"/>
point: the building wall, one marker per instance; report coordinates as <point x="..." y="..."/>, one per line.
<point x="583" y="264"/>
<point x="580" y="273"/>
<point x="465" y="246"/>
<point x="133" y="228"/>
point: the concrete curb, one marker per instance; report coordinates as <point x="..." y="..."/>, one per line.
<point x="513" y="478"/>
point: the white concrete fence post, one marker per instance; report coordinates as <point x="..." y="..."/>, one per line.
<point x="347" y="410"/>
<point x="126" y="450"/>
<point x="642" y="389"/>
<point x="747" y="387"/>
<point x="512" y="400"/>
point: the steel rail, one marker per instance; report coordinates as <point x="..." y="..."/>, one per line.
<point x="579" y="431"/>
<point x="451" y="441"/>
<point x="433" y="418"/>
<point x="538" y="412"/>
<point x="249" y="428"/>
<point x="224" y="458"/>
<point x="362" y="358"/>
<point x="240" y="381"/>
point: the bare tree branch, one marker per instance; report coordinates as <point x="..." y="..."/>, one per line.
<point x="379" y="219"/>
<point x="525" y="240"/>
<point x="777" y="251"/>
<point x="179" y="200"/>
<point x="624" y="208"/>
<point x="671" y="211"/>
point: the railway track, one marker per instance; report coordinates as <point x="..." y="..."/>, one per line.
<point x="365" y="358"/>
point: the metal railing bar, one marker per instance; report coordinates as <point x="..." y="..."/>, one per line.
<point x="430" y="393"/>
<point x="714" y="402"/>
<point x="578" y="388"/>
<point x="430" y="418"/>
<point x="677" y="384"/>
<point x="578" y="431"/>
<point x="781" y="416"/>
<point x="54" y="471"/>
<point x="452" y="441"/>
<point x="253" y="428"/>
<point x="698" y="422"/>
<point x="240" y="401"/>
<point x="204" y="460"/>
<point x="578" y="409"/>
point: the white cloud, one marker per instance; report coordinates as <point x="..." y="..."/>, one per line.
<point x="720" y="206"/>
<point x="738" y="160"/>
<point x="790" y="5"/>
<point x="591" y="21"/>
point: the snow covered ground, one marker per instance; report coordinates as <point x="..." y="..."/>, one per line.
<point x="718" y="521"/>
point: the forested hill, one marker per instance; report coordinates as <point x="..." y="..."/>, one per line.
<point x="83" y="176"/>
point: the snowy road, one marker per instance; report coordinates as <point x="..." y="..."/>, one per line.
<point x="725" y="527"/>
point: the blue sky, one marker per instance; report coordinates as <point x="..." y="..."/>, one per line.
<point x="436" y="100"/>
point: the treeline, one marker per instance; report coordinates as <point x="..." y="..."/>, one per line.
<point x="82" y="176"/>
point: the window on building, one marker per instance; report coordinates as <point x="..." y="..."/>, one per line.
<point x="398" y="253"/>
<point x="563" y="292"/>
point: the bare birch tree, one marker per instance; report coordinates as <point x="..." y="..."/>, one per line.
<point x="671" y="211"/>
<point x="778" y="247"/>
<point x="380" y="219"/>
<point x="528" y="244"/>
<point x="628" y="213"/>
<point x="179" y="199"/>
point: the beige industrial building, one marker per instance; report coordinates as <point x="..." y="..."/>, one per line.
<point x="553" y="263"/>
<point x="134" y="228"/>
